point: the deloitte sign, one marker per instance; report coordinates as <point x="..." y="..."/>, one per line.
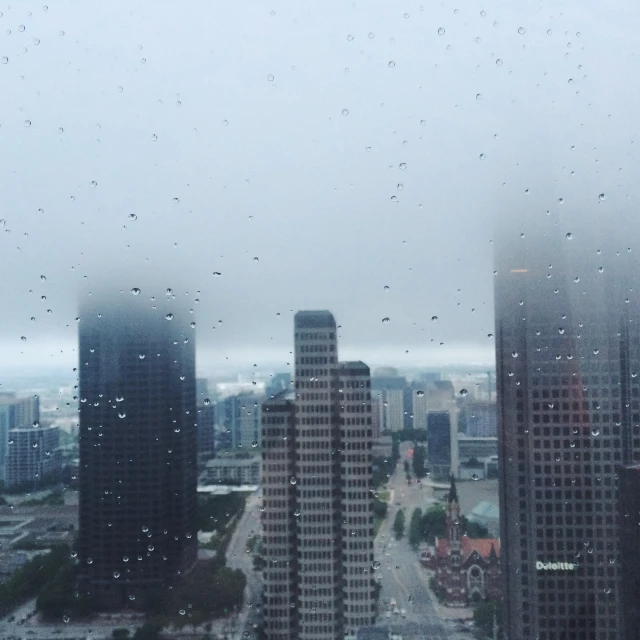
<point x="555" y="566"/>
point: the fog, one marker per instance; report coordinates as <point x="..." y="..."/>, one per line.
<point x="259" y="159"/>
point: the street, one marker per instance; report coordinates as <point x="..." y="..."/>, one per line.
<point x="402" y="577"/>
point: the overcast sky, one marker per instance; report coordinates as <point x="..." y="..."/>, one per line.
<point x="311" y="153"/>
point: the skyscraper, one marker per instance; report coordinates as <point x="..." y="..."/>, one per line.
<point x="137" y="447"/>
<point x="317" y="478"/>
<point x="568" y="357"/>
<point x="629" y="514"/>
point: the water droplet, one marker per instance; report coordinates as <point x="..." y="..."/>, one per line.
<point x="386" y="288"/>
<point x="345" y="112"/>
<point x="441" y="31"/>
<point x="434" y="318"/>
<point x="89" y="561"/>
<point x="135" y="291"/>
<point x="386" y="320"/>
<point x="560" y="200"/>
<point x="522" y="31"/>
<point x="192" y="325"/>
<point x="602" y="197"/>
<point x="371" y="35"/>
<point x="514" y="354"/>
<point x="116" y="574"/>
<point x="350" y="37"/>
<point x="207" y="401"/>
<point x="142" y="356"/>
<point x="270" y="77"/>
<point x="27" y="123"/>
<point x="478" y="96"/>
<point x="4" y="60"/>
<point x="392" y="63"/>
<point x="420" y="394"/>
<point x="169" y="316"/>
<point x="569" y="236"/>
<point x="23" y="338"/>
<point x="499" y="62"/>
<point x="482" y="156"/>
<point x="65" y="619"/>
<point x="463" y="392"/>
<point x="256" y="259"/>
<point x="292" y="480"/>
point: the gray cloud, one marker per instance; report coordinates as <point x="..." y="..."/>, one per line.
<point x="171" y="112"/>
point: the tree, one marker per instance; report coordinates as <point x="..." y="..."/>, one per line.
<point x="380" y="508"/>
<point x="434" y="523"/>
<point x="415" y="528"/>
<point x="484" y="615"/>
<point x="398" y="524"/>
<point x="150" y="630"/>
<point x="419" y="457"/>
<point x="474" y="529"/>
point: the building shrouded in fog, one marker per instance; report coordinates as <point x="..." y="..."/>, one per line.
<point x="568" y="392"/>
<point x="138" y="438"/>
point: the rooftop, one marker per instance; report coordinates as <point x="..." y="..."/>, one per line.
<point x="314" y="320"/>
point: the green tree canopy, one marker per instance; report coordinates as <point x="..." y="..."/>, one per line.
<point x="415" y="528"/>
<point x="419" y="458"/>
<point x="398" y="524"/>
<point x="434" y="523"/>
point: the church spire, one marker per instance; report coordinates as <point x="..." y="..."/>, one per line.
<point x="453" y="492"/>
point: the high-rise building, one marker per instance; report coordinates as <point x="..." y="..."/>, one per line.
<point x="389" y="392"/>
<point x="629" y="518"/>
<point x="442" y="444"/>
<point x="278" y="383"/>
<point x="317" y="479"/>
<point x="206" y="424"/>
<point x="239" y="416"/>
<point x="418" y="406"/>
<point x="202" y="391"/>
<point x="568" y="393"/>
<point x="138" y="439"/>
<point x="480" y="419"/>
<point x="15" y="413"/>
<point x="34" y="457"/>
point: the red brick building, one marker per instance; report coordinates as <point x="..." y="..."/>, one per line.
<point x="467" y="569"/>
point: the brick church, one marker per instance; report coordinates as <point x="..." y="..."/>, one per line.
<point x="466" y="569"/>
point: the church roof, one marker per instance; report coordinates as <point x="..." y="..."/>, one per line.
<point x="468" y="545"/>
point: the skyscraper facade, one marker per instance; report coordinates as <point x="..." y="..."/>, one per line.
<point x="240" y="416"/>
<point x="322" y="567"/>
<point x="568" y="392"/>
<point x="138" y="439"/>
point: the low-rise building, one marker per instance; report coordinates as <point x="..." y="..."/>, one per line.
<point x="236" y="468"/>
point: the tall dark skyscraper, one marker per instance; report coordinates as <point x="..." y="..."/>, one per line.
<point x="629" y="514"/>
<point x="568" y="359"/>
<point x="137" y="446"/>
